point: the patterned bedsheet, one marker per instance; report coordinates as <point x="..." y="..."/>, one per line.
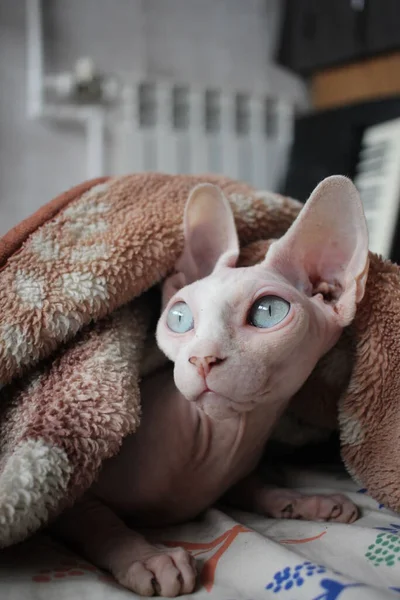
<point x="241" y="556"/>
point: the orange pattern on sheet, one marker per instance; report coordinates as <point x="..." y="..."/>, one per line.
<point x="221" y="544"/>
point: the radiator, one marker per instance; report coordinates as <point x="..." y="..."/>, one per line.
<point x="176" y="128"/>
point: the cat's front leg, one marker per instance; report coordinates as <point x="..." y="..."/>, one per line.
<point x="283" y="503"/>
<point x="96" y="531"/>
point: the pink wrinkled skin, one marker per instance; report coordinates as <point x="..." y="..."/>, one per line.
<point x="205" y="424"/>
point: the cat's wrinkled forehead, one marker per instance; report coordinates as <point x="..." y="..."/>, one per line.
<point x="235" y="286"/>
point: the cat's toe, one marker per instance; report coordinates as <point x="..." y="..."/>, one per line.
<point x="336" y="508"/>
<point x="138" y="578"/>
<point x="174" y="572"/>
<point x="347" y="511"/>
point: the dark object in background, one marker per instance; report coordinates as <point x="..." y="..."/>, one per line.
<point x="327" y="143"/>
<point x="279" y="460"/>
<point x="327" y="452"/>
<point x="321" y="33"/>
<point x="362" y="81"/>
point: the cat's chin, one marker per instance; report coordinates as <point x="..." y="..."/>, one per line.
<point x="219" y="407"/>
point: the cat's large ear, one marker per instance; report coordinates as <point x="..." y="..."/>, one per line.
<point x="325" y="251"/>
<point x="210" y="237"/>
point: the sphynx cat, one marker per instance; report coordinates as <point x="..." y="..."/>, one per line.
<point x="243" y="341"/>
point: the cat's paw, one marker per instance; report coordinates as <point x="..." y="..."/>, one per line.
<point x="288" y="504"/>
<point x="165" y="572"/>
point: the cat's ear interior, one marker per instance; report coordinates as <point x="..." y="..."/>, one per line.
<point x="325" y="251"/>
<point x="210" y="238"/>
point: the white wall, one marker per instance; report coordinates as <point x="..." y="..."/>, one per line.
<point x="217" y="42"/>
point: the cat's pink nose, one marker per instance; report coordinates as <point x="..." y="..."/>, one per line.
<point x="204" y="364"/>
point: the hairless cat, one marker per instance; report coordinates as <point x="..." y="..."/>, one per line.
<point x="243" y="341"/>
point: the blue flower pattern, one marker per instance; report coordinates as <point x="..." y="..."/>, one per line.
<point x="286" y="581"/>
<point x="291" y="578"/>
<point x="393" y="528"/>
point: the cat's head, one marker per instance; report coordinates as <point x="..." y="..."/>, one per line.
<point x="240" y="337"/>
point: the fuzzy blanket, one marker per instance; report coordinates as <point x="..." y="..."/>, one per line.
<point x="74" y="328"/>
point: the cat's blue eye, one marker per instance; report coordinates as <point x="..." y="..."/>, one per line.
<point x="268" y="311"/>
<point x="180" y="318"/>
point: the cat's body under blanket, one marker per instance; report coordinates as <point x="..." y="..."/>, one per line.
<point x="179" y="463"/>
<point x="236" y="336"/>
<point x="193" y="459"/>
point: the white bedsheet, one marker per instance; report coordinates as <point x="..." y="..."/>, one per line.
<point x="241" y="557"/>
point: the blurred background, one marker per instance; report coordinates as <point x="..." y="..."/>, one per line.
<point x="280" y="93"/>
